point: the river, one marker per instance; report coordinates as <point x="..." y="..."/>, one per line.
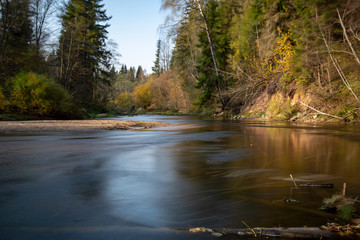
<point x="140" y="184"/>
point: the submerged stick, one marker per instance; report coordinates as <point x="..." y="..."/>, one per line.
<point x="250" y="228"/>
<point x="293" y="180"/>
<point x="316" y="185"/>
<point x="312" y="185"/>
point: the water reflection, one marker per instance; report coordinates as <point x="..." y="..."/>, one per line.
<point x="216" y="174"/>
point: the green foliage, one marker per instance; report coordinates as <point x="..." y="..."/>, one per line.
<point x="343" y="206"/>
<point x="124" y="101"/>
<point x="38" y="95"/>
<point x="246" y="29"/>
<point x="280" y="108"/>
<point x="346" y="212"/>
<point x="84" y="64"/>
<point x="218" y="20"/>
<point x="157" y="69"/>
<point x="15" y="37"/>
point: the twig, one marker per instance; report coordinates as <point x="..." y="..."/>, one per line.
<point x="326" y="114"/>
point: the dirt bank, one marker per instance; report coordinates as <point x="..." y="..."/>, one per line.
<point x="73" y="125"/>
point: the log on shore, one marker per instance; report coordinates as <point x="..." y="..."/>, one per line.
<point x="272" y="233"/>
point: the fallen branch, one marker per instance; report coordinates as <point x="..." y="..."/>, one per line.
<point x="322" y="113"/>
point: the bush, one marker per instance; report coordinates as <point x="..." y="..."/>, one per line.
<point x="124" y="101"/>
<point x="280" y="108"/>
<point x="37" y="95"/>
<point x="142" y="96"/>
<point x="3" y="102"/>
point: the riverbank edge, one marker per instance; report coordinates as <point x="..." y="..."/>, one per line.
<point x="325" y="232"/>
<point x="35" y="126"/>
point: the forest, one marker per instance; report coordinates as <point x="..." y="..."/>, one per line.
<point x="278" y="59"/>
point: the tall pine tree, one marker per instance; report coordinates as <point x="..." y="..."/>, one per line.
<point x="84" y="59"/>
<point x="157" y="68"/>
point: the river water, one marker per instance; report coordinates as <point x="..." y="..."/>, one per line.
<point x="200" y="173"/>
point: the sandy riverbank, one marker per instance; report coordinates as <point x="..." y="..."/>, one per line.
<point x="73" y="125"/>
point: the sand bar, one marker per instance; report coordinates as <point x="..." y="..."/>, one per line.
<point x="7" y="127"/>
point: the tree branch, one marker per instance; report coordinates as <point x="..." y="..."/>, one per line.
<point x="322" y="113"/>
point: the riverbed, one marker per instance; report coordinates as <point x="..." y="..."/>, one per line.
<point x="145" y="183"/>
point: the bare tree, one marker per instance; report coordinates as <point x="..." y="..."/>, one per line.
<point x="331" y="54"/>
<point x="42" y="11"/>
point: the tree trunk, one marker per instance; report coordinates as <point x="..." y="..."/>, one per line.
<point x="218" y="85"/>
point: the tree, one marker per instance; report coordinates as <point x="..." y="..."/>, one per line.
<point x="214" y="41"/>
<point x="84" y="59"/>
<point x="123" y="69"/>
<point x="131" y="74"/>
<point x="15" y="37"/>
<point x="42" y="10"/>
<point x="140" y="75"/>
<point x="157" y="69"/>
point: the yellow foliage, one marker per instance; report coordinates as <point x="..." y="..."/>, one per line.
<point x="162" y="93"/>
<point x="142" y="96"/>
<point x="281" y="60"/>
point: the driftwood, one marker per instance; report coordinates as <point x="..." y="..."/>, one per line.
<point x="316" y="185"/>
<point x="311" y="185"/>
<point x="272" y="233"/>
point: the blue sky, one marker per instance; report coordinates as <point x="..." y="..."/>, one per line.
<point x="135" y="28"/>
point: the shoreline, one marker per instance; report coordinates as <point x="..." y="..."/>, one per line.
<point x="33" y="126"/>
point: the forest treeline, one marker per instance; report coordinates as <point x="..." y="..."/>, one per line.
<point x="266" y="58"/>
<point x="45" y="77"/>
<point x="272" y="58"/>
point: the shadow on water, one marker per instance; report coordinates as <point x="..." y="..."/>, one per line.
<point x="213" y="174"/>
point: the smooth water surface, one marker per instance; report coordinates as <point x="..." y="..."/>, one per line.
<point x="138" y="184"/>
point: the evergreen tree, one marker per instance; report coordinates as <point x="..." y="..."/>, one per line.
<point x="140" y="76"/>
<point x="15" y="37"/>
<point x="131" y="74"/>
<point x="123" y="69"/>
<point x="215" y="44"/>
<point x="157" y="69"/>
<point x="84" y="59"/>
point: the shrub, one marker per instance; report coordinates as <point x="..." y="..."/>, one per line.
<point x="280" y="108"/>
<point x="142" y="96"/>
<point x="38" y="95"/>
<point x="124" y="101"/>
<point x="3" y="101"/>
